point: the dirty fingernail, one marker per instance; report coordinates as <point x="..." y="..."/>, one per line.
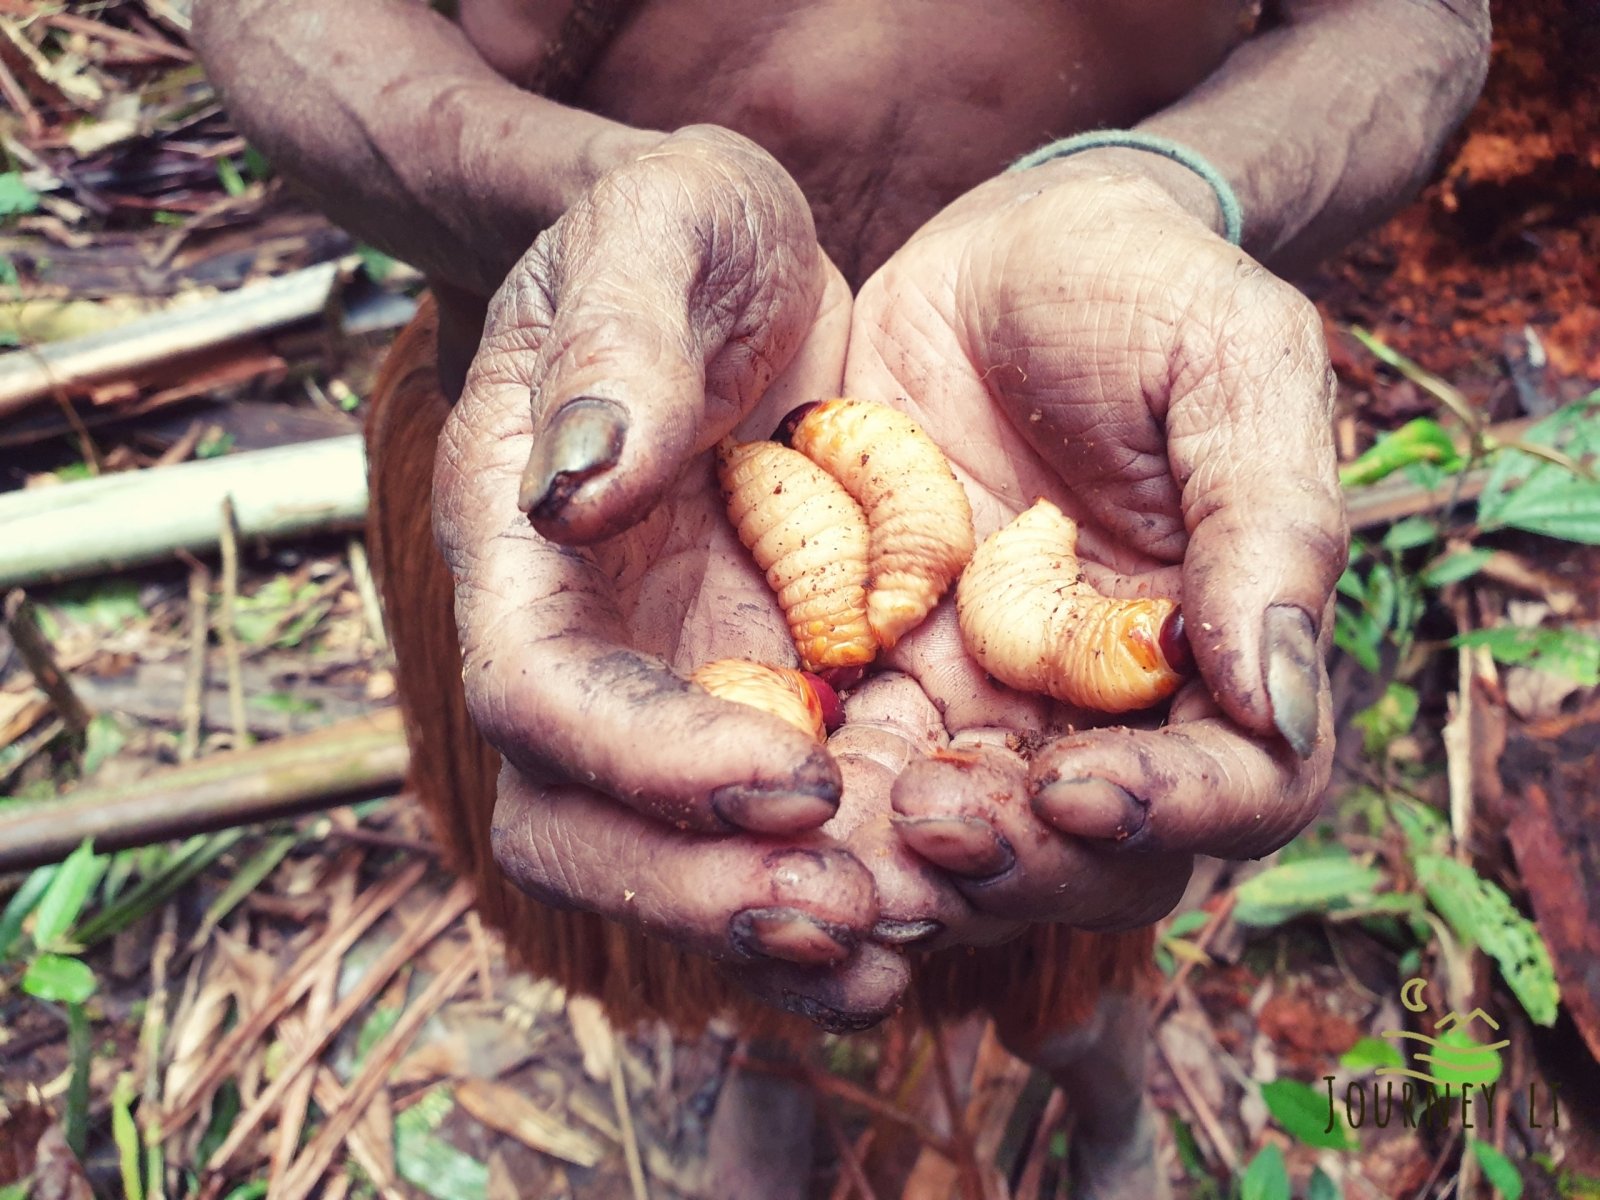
<point x="775" y="809"/>
<point x="829" y="1018"/>
<point x="1092" y="808"/>
<point x="791" y="935"/>
<point x="1292" y="676"/>
<point x="892" y="932"/>
<point x="583" y="439"/>
<point x="963" y="845"/>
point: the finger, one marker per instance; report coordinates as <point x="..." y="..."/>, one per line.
<point x="967" y="811"/>
<point x="1200" y="786"/>
<point x="787" y="920"/>
<point x="1250" y="441"/>
<point x="553" y="686"/>
<point x="935" y="655"/>
<point x="660" y="309"/>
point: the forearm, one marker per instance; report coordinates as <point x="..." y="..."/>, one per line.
<point x="401" y="132"/>
<point x="1327" y="123"/>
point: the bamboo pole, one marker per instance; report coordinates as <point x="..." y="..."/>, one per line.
<point x="360" y="759"/>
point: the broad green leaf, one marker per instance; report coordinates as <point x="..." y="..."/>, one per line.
<point x="23" y="901"/>
<point x="1420" y="441"/>
<point x="1187" y="922"/>
<point x="16" y="198"/>
<point x="126" y="1136"/>
<point x="1425" y="829"/>
<point x="1391" y="716"/>
<point x="1309" y="885"/>
<point x="1355" y="633"/>
<point x="59" y="979"/>
<point x="1559" y="650"/>
<point x="1458" y="1056"/>
<point x="1266" y="1178"/>
<point x="1323" y="1188"/>
<point x="1352" y="585"/>
<point x="1410" y="533"/>
<point x="1369" y="1053"/>
<point x="1303" y="1112"/>
<point x="1528" y="492"/>
<point x="20" y="1190"/>
<point x="69" y="892"/>
<point x="1454" y="567"/>
<point x="427" y="1161"/>
<point x="105" y="604"/>
<point x="1382" y="592"/>
<point x="1499" y="1170"/>
<point x="1481" y="914"/>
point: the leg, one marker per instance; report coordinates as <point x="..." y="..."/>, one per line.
<point x="759" y="1146"/>
<point x="1100" y="1067"/>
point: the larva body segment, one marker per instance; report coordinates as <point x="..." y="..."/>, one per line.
<point x="1032" y="622"/>
<point x="781" y="691"/>
<point x="917" y="511"/>
<point x="810" y="538"/>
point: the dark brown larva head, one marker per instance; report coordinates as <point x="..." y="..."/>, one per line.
<point x="1174" y="642"/>
<point x="842" y="679"/>
<point x="827" y="700"/>
<point x="784" y="434"/>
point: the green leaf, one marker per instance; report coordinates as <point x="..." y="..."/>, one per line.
<point x="1390" y="717"/>
<point x="16" y="198"/>
<point x="69" y="892"/>
<point x="1458" y="1057"/>
<point x="1303" y="1112"/>
<point x="1482" y="915"/>
<point x="427" y="1161"/>
<point x="103" y="739"/>
<point x="1454" y="567"/>
<point x="1410" y="533"/>
<point x="20" y="1190"/>
<point x="228" y="175"/>
<point x="1187" y="922"/>
<point x="254" y="1190"/>
<point x="1370" y="1052"/>
<point x="23" y="901"/>
<point x="1357" y="635"/>
<point x="1266" y="1178"/>
<point x="1499" y="1170"/>
<point x="1382" y="592"/>
<point x="1420" y="441"/>
<point x="1559" y="650"/>
<point x="60" y="979"/>
<point x="1323" y="1188"/>
<point x="1310" y="885"/>
<point x="126" y="1136"/>
<point x="1528" y="492"/>
<point x="378" y="265"/>
<point x="100" y="604"/>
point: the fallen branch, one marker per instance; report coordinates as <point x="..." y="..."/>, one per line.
<point x="101" y="525"/>
<point x="354" y="760"/>
<point x="39" y="656"/>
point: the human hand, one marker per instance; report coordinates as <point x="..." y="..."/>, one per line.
<point x="684" y="298"/>
<point x="1074" y="334"/>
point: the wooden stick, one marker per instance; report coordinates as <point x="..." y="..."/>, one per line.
<point x="381" y="1059"/>
<point x="229" y="632"/>
<point x="194" y="683"/>
<point x="33" y="374"/>
<point x="39" y="656"/>
<point x="96" y="526"/>
<point x="360" y="759"/>
<point x="630" y="1139"/>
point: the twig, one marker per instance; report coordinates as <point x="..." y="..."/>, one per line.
<point x="1032" y="1178"/>
<point x="853" y="1177"/>
<point x="331" y="1096"/>
<point x="630" y="1138"/>
<point x="844" y="1090"/>
<point x="227" y="629"/>
<point x="302" y="1177"/>
<point x="1207" y="932"/>
<point x="321" y="595"/>
<point x="361" y="571"/>
<point x="972" y="1180"/>
<point x="444" y="914"/>
<point x="1215" y="1133"/>
<point x="194" y="684"/>
<point x="40" y="658"/>
<point x="333" y="945"/>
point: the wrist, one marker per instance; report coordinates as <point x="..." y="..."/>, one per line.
<point x="1178" y="183"/>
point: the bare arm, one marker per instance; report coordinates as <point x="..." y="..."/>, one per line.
<point x="402" y="133"/>
<point x="1327" y="121"/>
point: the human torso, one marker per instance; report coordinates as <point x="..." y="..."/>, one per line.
<point x="883" y="110"/>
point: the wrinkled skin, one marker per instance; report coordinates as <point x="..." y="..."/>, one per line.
<point x="1063" y="332"/>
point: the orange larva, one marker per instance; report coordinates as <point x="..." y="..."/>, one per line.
<point x="781" y="691"/>
<point x="917" y="512"/>
<point x="1031" y="621"/>
<point x="808" y="535"/>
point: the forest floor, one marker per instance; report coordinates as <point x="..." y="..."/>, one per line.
<point x="308" y="1005"/>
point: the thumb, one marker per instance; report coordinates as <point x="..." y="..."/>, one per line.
<point x="1250" y="440"/>
<point x="664" y="304"/>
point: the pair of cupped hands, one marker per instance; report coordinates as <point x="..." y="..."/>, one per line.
<point x="1062" y="332"/>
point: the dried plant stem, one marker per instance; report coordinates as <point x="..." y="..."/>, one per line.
<point x="39" y="656"/>
<point x="194" y="684"/>
<point x="844" y="1090"/>
<point x="229" y="531"/>
<point x="630" y="1138"/>
<point x="853" y="1179"/>
<point x="371" y="607"/>
<point x="1207" y="1119"/>
<point x="1207" y="933"/>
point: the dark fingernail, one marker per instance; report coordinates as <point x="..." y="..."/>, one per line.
<point x="791" y="935"/>
<point x="1093" y="808"/>
<point x="775" y="808"/>
<point x="904" y="933"/>
<point x="1292" y="676"/>
<point x="583" y="439"/>
<point x="829" y="1018"/>
<point x="1174" y="643"/>
<point x="962" y="845"/>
